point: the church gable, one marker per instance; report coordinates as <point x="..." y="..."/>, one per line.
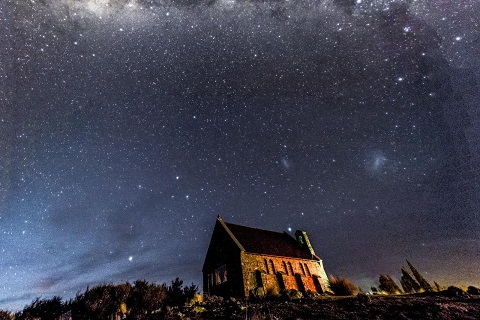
<point x="222" y="268"/>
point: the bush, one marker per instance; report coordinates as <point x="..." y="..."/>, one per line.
<point x="473" y="290"/>
<point x="100" y="302"/>
<point x="5" y="315"/>
<point x="138" y="301"/>
<point x="342" y="286"/>
<point x="43" y="309"/>
<point x="146" y="298"/>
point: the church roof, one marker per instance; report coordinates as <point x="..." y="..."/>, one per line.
<point x="268" y="242"/>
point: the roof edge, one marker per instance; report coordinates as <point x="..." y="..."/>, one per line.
<point x="314" y="258"/>
<point x="230" y="233"/>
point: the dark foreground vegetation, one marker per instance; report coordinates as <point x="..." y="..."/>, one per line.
<point x="449" y="304"/>
<point x="148" y="301"/>
<point x="418" y="306"/>
<point x="142" y="300"/>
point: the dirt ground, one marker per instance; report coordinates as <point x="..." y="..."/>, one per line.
<point x="363" y="307"/>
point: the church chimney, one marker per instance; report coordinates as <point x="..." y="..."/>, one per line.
<point x="302" y="239"/>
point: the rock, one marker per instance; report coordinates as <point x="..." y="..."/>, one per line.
<point x="312" y="295"/>
<point x="199" y="309"/>
<point x="453" y="291"/>
<point x="213" y="300"/>
<point x="364" y="298"/>
<point x="292" y="294"/>
<point x="258" y="292"/>
<point x="473" y="290"/>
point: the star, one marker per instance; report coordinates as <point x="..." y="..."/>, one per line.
<point x="317" y="116"/>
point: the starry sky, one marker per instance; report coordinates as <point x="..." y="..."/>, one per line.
<point x="127" y="126"/>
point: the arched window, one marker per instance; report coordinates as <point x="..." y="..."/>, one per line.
<point x="266" y="265"/>
<point x="301" y="268"/>
<point x="258" y="278"/>
<point x="285" y="267"/>
<point x="307" y="270"/>
<point x="291" y="268"/>
<point x="272" y="266"/>
<point x="220" y="275"/>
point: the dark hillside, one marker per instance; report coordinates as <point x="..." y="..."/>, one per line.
<point x="362" y="307"/>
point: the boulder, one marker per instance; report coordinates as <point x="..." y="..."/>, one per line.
<point x="453" y="291"/>
<point x="258" y="292"/>
<point x="292" y="294"/>
<point x="473" y="290"/>
<point x="199" y="309"/>
<point x="364" y="298"/>
<point x="312" y="295"/>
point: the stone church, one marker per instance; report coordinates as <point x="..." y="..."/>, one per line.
<point x="242" y="261"/>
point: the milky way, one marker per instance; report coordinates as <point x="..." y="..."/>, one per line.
<point x="128" y="126"/>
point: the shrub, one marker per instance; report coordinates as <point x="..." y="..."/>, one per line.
<point x="342" y="286"/>
<point x="5" y="315"/>
<point x="43" y="309"/>
<point x="145" y="298"/>
<point x="100" y="302"/>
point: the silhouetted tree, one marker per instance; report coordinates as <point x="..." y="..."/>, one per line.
<point x="342" y="286"/>
<point x="438" y="287"/>
<point x="420" y="279"/>
<point x="179" y="295"/>
<point x="176" y="296"/>
<point x="190" y="291"/>
<point x="388" y="285"/>
<point x="409" y="284"/>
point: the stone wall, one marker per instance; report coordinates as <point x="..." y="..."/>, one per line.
<point x="273" y="274"/>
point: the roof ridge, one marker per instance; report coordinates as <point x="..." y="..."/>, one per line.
<point x="244" y="226"/>
<point x="268" y="242"/>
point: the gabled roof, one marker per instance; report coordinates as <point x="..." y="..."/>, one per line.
<point x="267" y="242"/>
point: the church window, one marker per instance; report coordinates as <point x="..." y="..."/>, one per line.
<point x="307" y="270"/>
<point x="301" y="268"/>
<point x="220" y="275"/>
<point x="291" y="269"/>
<point x="272" y="266"/>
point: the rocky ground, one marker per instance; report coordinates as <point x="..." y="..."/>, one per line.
<point x="431" y="306"/>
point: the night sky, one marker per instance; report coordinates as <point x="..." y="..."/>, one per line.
<point x="127" y="126"/>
